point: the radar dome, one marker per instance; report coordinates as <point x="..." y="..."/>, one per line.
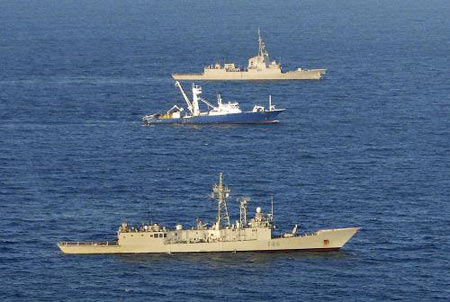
<point x="258" y="210"/>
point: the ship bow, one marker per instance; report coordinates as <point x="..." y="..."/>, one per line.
<point x="337" y="238"/>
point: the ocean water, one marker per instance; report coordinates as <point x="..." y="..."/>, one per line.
<point x="368" y="146"/>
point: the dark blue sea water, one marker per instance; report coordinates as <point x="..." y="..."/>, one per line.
<point x="369" y="146"/>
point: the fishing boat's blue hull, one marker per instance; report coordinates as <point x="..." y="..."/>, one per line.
<point x="262" y="117"/>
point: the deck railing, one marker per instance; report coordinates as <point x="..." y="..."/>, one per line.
<point x="101" y="243"/>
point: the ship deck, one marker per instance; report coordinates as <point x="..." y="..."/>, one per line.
<point x="93" y="243"/>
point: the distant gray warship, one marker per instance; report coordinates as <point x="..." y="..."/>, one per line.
<point x="256" y="234"/>
<point x="259" y="68"/>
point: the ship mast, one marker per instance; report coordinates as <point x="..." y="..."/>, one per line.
<point x="243" y="211"/>
<point x="271" y="215"/>
<point x="262" y="52"/>
<point x="221" y="193"/>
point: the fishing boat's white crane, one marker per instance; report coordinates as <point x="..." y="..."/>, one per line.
<point x="192" y="106"/>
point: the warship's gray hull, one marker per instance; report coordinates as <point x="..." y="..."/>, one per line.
<point x="246" y="235"/>
<point x="259" y="68"/>
<point x="222" y="75"/>
<point x="136" y="243"/>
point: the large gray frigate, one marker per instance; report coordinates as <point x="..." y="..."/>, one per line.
<point x="255" y="234"/>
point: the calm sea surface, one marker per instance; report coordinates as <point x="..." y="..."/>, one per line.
<point x="369" y="146"/>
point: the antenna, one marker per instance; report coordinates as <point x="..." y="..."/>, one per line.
<point x="148" y="210"/>
<point x="271" y="197"/>
<point x="261" y="43"/>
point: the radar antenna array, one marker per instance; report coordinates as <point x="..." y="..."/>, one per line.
<point x="243" y="201"/>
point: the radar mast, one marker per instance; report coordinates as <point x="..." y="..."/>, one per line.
<point x="221" y="194"/>
<point x="262" y="52"/>
<point x="243" y="201"/>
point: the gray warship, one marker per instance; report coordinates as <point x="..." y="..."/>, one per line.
<point x="259" y="68"/>
<point x="245" y="235"/>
